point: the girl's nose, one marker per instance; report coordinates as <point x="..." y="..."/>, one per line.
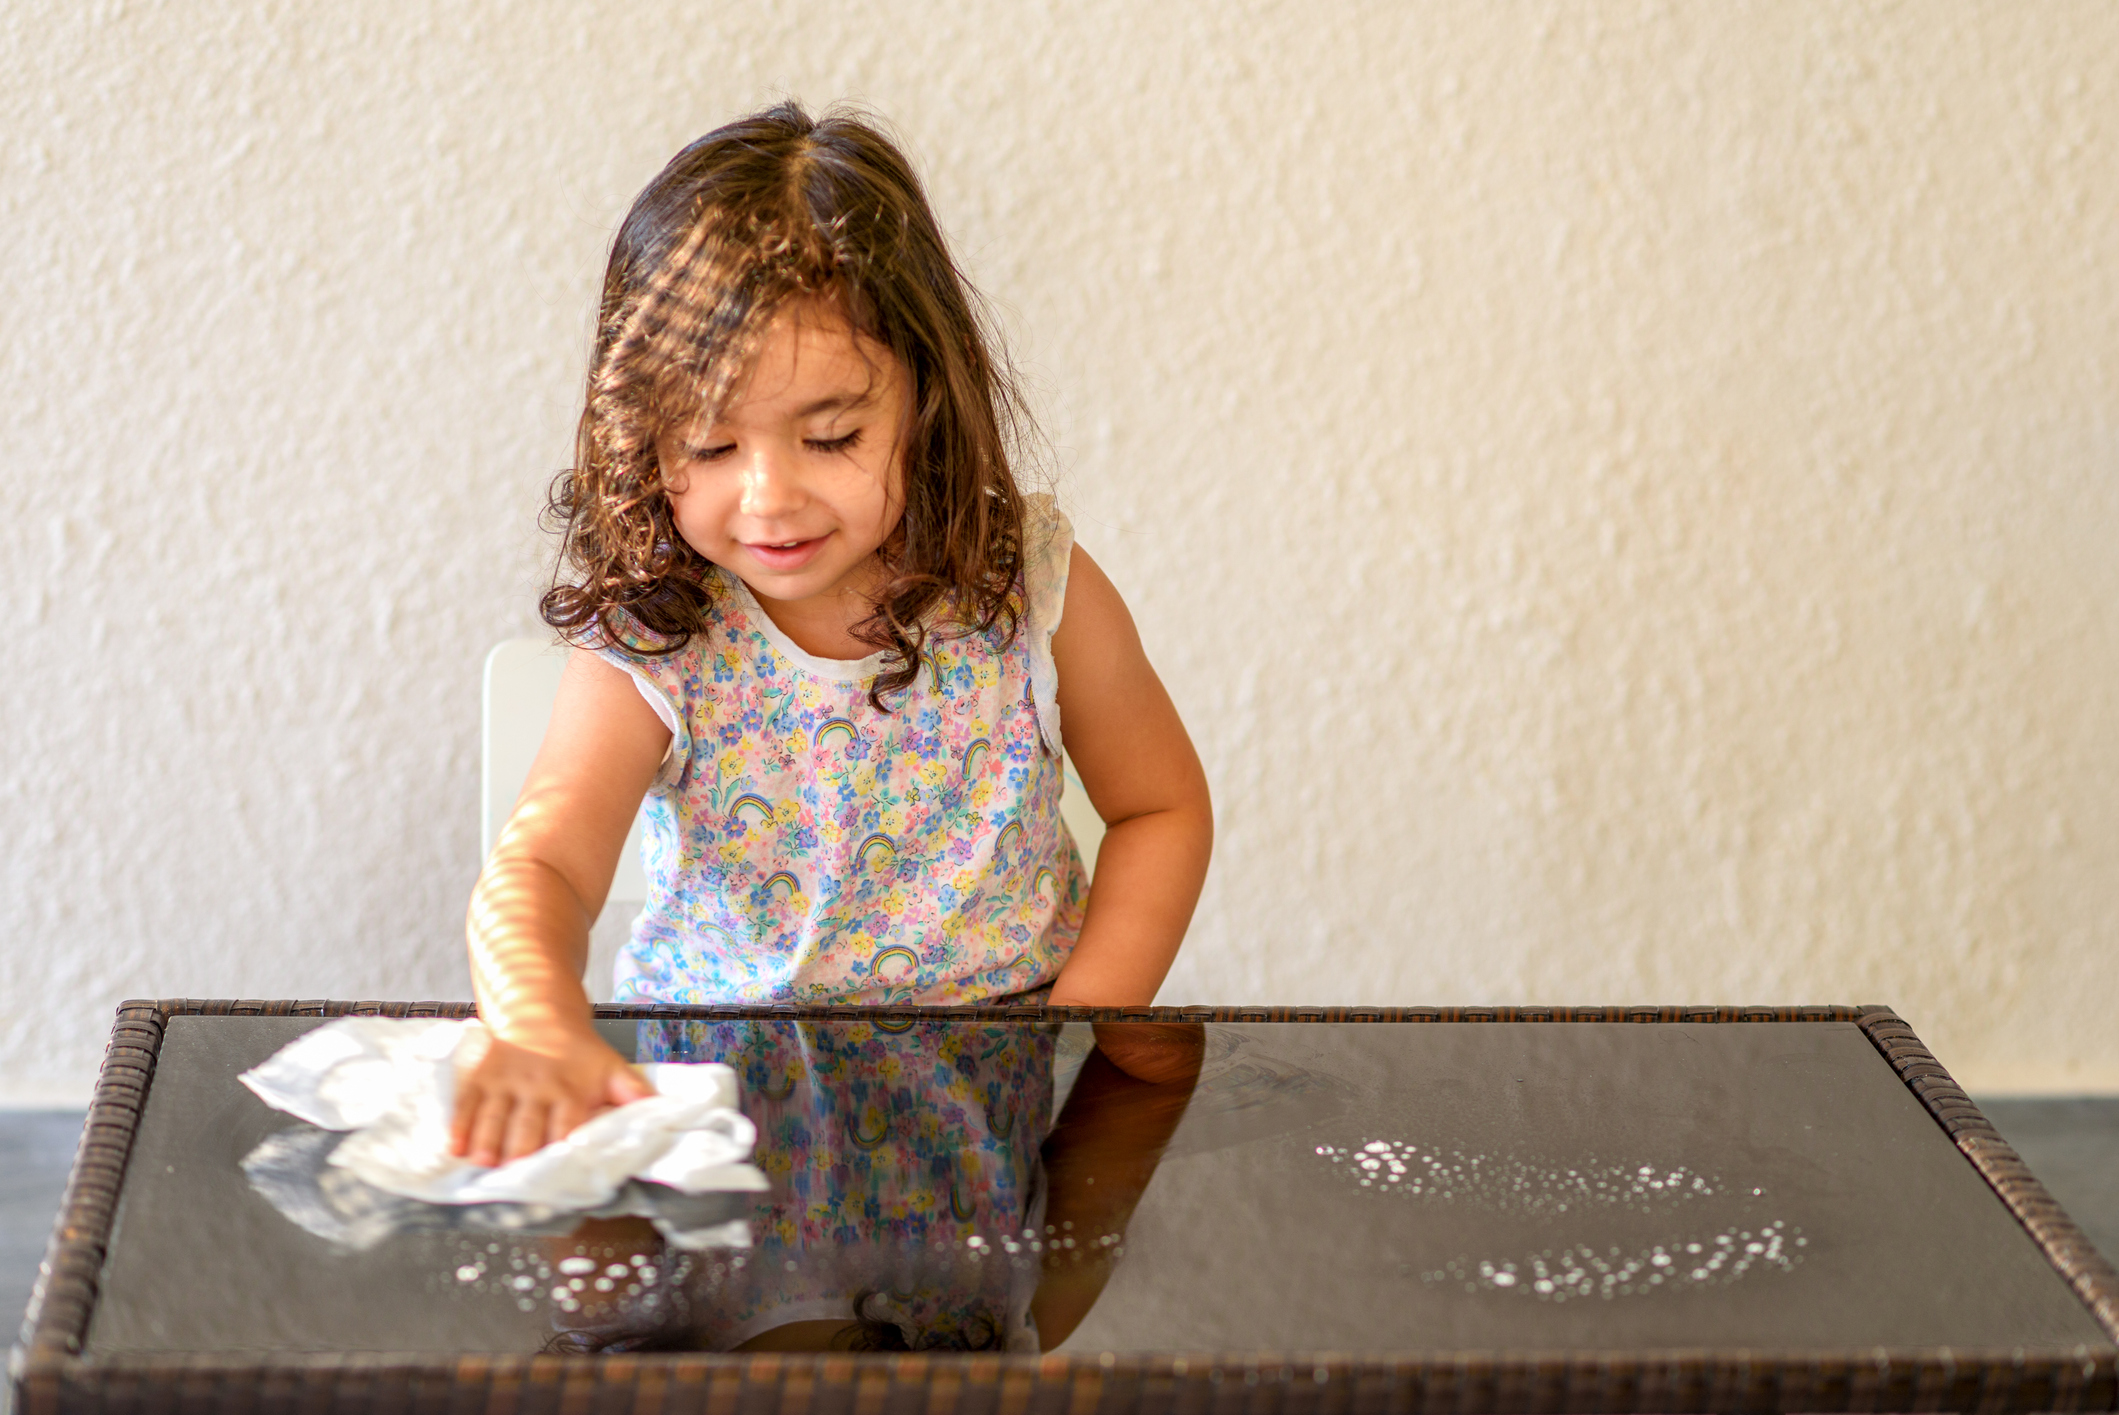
<point x="771" y="486"/>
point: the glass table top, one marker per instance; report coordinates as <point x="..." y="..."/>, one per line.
<point x="1295" y="1187"/>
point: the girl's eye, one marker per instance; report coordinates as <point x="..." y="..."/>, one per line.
<point x="709" y="454"/>
<point x="835" y="444"/>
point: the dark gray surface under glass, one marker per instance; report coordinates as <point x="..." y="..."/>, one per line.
<point x="1342" y="1187"/>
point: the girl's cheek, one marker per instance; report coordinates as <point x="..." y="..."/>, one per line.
<point x="694" y="536"/>
<point x="887" y="526"/>
<point x="698" y="519"/>
<point x="884" y="477"/>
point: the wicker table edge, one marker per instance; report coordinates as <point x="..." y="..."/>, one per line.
<point x="1328" y="1383"/>
<point x="47" y="1363"/>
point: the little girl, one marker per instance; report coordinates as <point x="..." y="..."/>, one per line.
<point x="818" y="626"/>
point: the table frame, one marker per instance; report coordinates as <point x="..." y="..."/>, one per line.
<point x="50" y="1376"/>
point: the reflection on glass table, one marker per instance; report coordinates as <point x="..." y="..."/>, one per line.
<point x="949" y="1183"/>
<point x="924" y="1196"/>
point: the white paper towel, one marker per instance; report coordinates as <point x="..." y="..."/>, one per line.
<point x="393" y="1082"/>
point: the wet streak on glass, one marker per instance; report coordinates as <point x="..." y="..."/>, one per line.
<point x="1001" y="1185"/>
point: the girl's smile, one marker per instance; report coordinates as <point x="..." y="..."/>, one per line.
<point x="800" y="480"/>
<point x="787" y="556"/>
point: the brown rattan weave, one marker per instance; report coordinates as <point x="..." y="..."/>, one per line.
<point x="50" y="1375"/>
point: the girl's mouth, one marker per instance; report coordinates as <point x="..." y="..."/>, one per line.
<point x="786" y="554"/>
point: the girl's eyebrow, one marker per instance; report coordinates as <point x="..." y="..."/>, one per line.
<point x="838" y="402"/>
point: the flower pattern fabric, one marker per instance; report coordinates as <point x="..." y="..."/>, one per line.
<point x="904" y="1167"/>
<point x="802" y="846"/>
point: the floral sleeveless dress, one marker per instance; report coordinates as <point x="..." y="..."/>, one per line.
<point x="802" y="846"/>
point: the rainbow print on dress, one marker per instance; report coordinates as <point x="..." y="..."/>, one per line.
<point x="760" y="808"/>
<point x="834" y="729"/>
<point x="876" y="852"/>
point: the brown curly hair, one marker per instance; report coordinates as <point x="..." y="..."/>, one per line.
<point x="773" y="208"/>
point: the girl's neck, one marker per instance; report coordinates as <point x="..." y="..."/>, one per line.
<point x="822" y="626"/>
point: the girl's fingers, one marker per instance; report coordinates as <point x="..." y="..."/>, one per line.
<point x="487" y="1130"/>
<point x="526" y="1129"/>
<point x="461" y="1119"/>
<point x="564" y="1117"/>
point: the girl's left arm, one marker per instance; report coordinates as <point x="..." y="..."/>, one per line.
<point x="1123" y="735"/>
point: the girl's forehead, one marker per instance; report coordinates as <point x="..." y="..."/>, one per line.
<point x="811" y="360"/>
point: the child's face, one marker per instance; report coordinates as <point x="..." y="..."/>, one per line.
<point x="801" y="479"/>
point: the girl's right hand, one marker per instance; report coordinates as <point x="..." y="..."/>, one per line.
<point x="519" y="1096"/>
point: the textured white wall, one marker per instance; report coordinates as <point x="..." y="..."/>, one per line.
<point x="1616" y="489"/>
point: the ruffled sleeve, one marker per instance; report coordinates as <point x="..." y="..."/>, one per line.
<point x="1050" y="543"/>
<point x="661" y="680"/>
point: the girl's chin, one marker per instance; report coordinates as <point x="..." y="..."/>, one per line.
<point x="820" y="576"/>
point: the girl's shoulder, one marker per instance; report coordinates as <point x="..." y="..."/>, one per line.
<point x="668" y="676"/>
<point x="1048" y="545"/>
<point x="633" y="645"/>
<point x="1048" y="536"/>
<point x="645" y="654"/>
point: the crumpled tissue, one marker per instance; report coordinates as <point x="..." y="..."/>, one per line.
<point x="392" y="1084"/>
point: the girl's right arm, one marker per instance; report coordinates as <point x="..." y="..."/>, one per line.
<point x="546" y="1070"/>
